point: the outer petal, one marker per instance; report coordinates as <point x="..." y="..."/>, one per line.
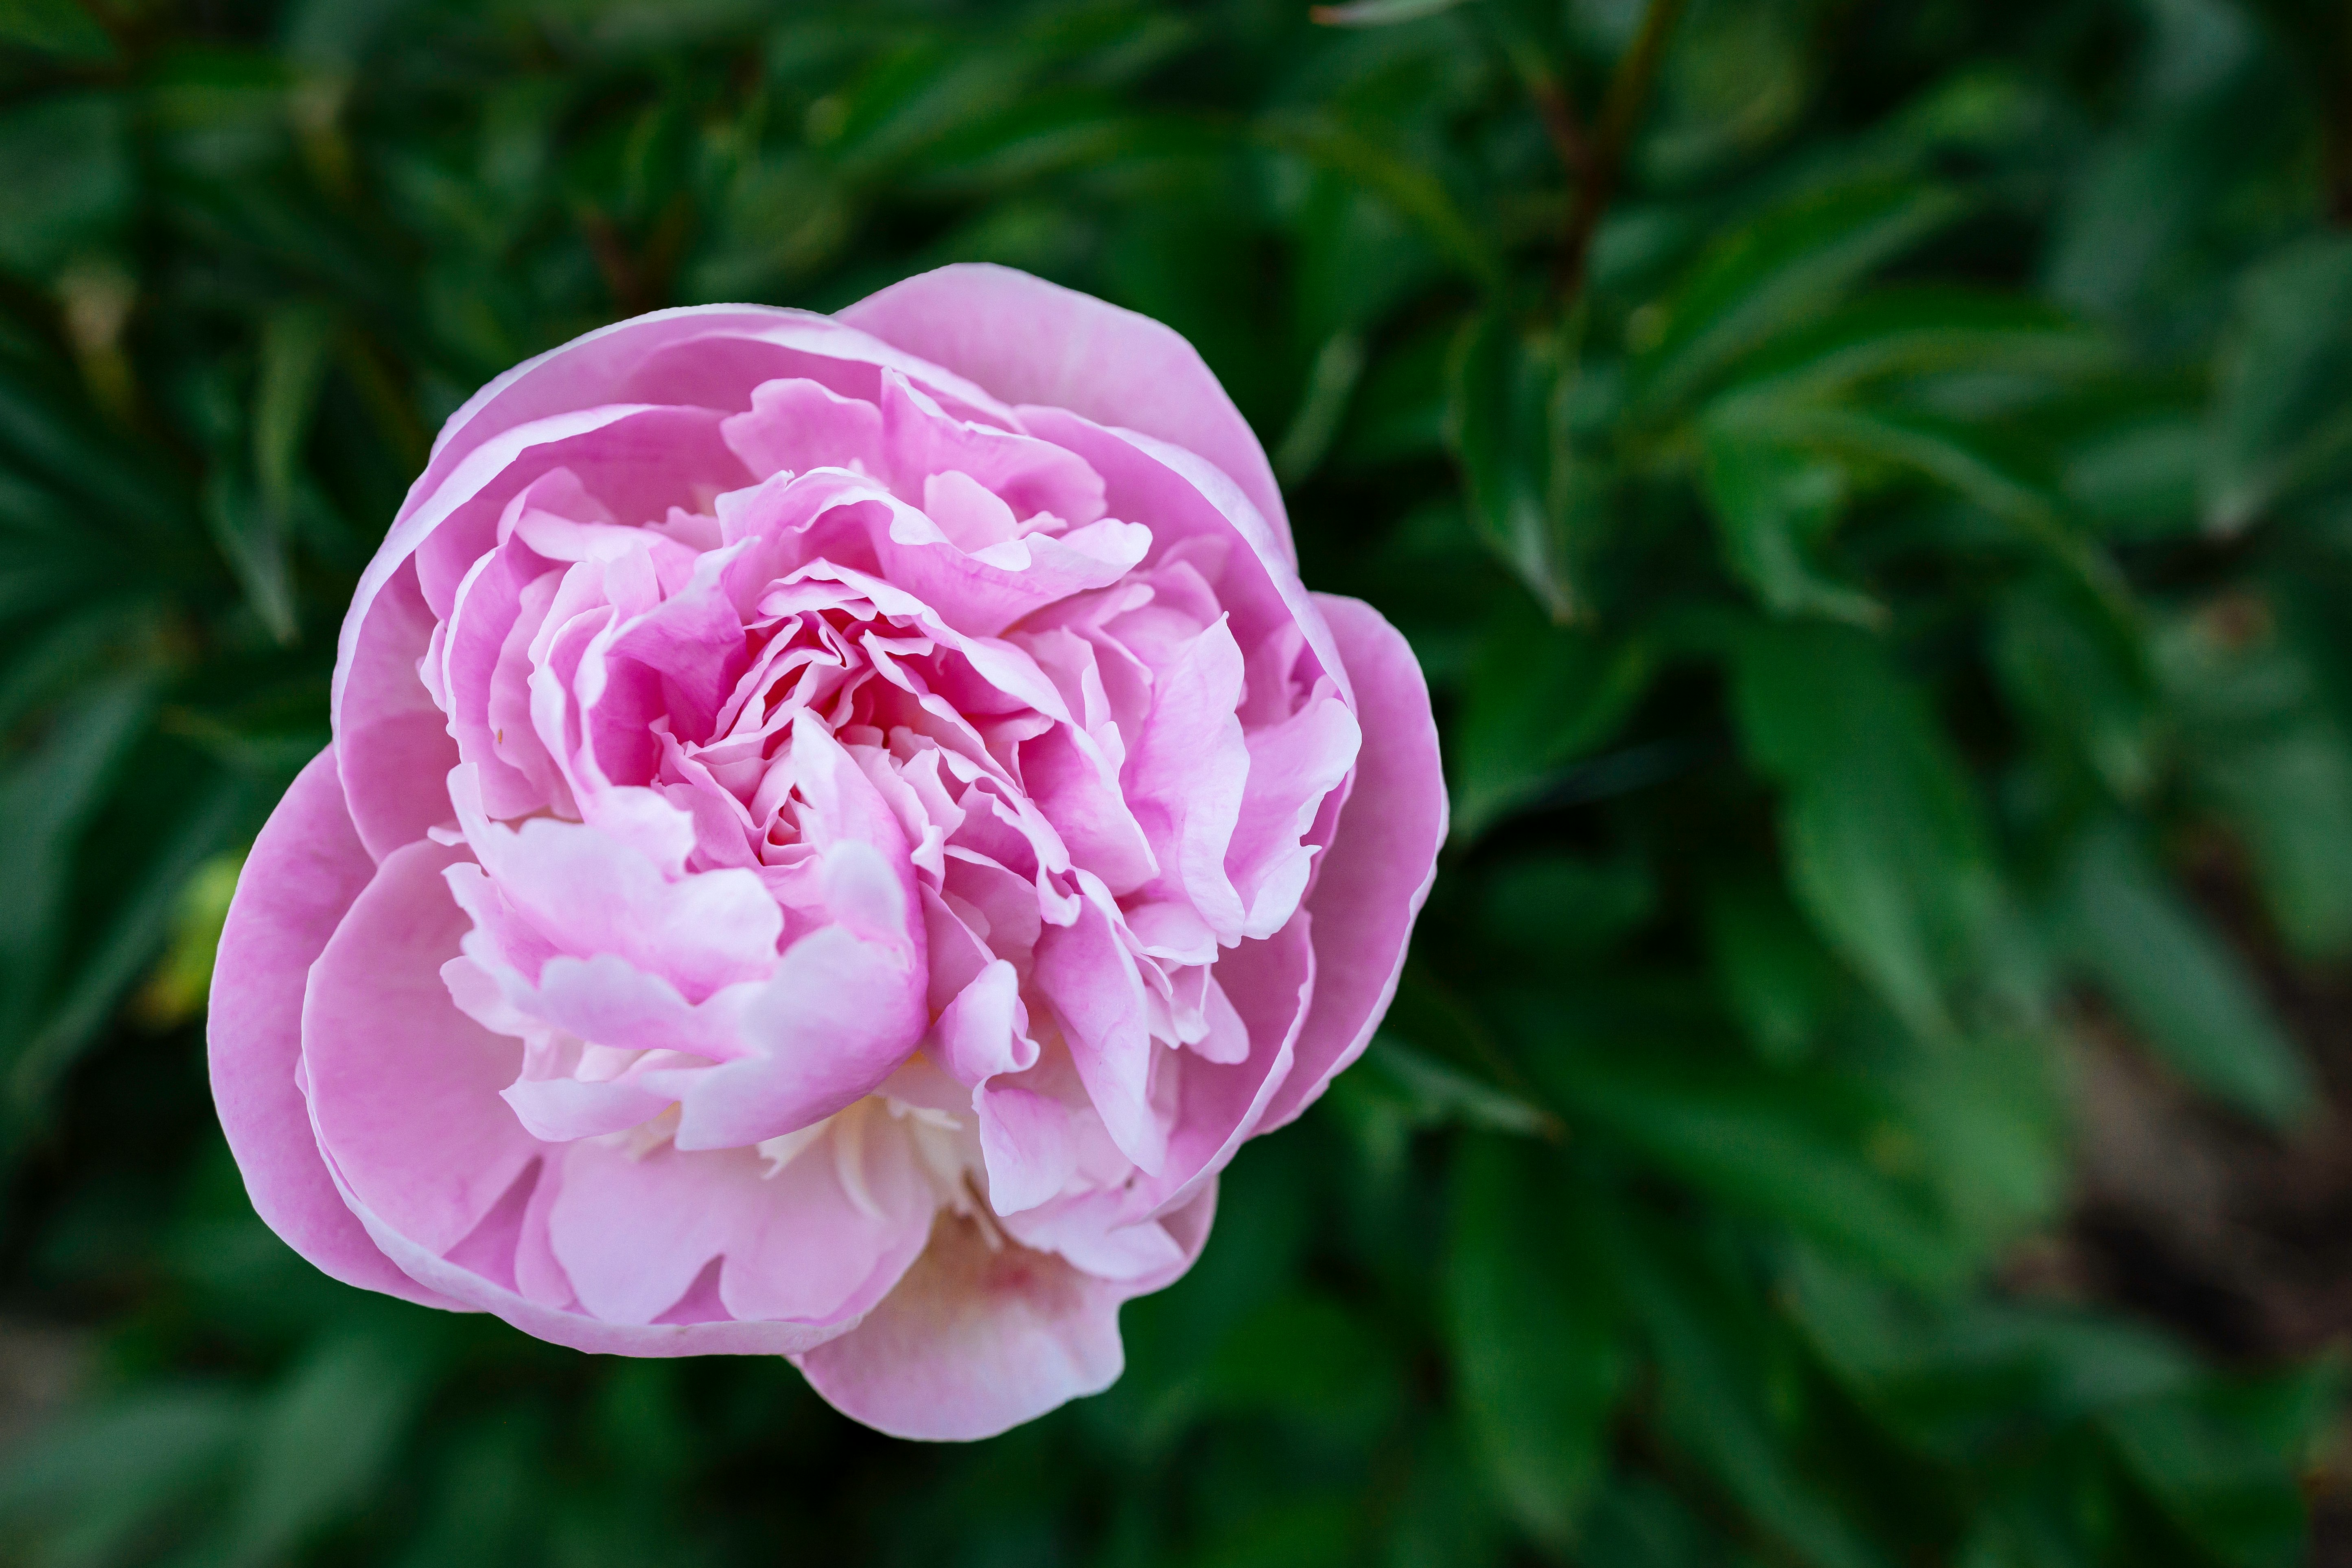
<point x="638" y="360"/>
<point x="975" y="1341"/>
<point x="576" y="1330"/>
<point x="1028" y="340"/>
<point x="1382" y="859"/>
<point x="402" y="1087"/>
<point x="305" y="870"/>
<point x="404" y="1090"/>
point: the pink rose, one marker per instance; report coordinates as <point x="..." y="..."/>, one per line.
<point x="836" y="830"/>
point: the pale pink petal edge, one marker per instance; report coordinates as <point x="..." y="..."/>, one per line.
<point x="305" y="870"/>
<point x="1031" y="341"/>
<point x="1383" y="859"/>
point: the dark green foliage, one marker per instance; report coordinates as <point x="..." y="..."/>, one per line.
<point x="1926" y="519"/>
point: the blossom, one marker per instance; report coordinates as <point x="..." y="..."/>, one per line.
<point x="836" y="829"/>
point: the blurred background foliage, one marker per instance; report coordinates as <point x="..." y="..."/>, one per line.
<point x="1870" y="484"/>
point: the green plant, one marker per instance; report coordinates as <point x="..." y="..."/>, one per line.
<point x="1867" y="483"/>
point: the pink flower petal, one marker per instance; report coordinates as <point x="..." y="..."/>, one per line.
<point x="1383" y="859"/>
<point x="393" y="744"/>
<point x="1026" y="1140"/>
<point x="973" y="1340"/>
<point x="404" y="1088"/>
<point x="305" y="870"/>
<point x="1089" y="977"/>
<point x="1028" y="340"/>
<point x="633" y="1233"/>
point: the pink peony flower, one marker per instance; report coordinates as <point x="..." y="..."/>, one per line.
<point x="836" y="830"/>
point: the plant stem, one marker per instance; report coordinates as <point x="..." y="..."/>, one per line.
<point x="1629" y="94"/>
<point x="1567" y="133"/>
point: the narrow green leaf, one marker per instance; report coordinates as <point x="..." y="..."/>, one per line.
<point x="2178" y="984"/>
<point x="1330" y="382"/>
<point x="1533" y="1333"/>
<point x="1539" y="698"/>
<point x="1530" y="494"/>
<point x="1970" y="462"/>
<point x="1411" y="188"/>
<point x="2089" y="691"/>
<point x="2229" y="1494"/>
<point x="1919" y="331"/>
<point x="250" y="535"/>
<point x="1791" y="1150"/>
<point x="1772" y="971"/>
<point x="97" y="1479"/>
<point x="1885" y="848"/>
<point x="321" y="1445"/>
<point x="2265" y="751"/>
<point x="2282" y="418"/>
<point x="46" y="801"/>
<point x="1711" y="1335"/>
<point x="295" y="343"/>
<point x="1951" y="1378"/>
<point x="123" y="947"/>
<point x="1781" y="269"/>
<point x="1774" y="505"/>
<point x="1435" y="1094"/>
<point x="1308" y="1360"/>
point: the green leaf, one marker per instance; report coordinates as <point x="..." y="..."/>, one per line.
<point x="1556" y="904"/>
<point x="47" y="799"/>
<point x="1539" y="697"/>
<point x="1772" y="972"/>
<point x="176" y="990"/>
<point x="1989" y="1130"/>
<point x="295" y="343"/>
<point x="65" y="161"/>
<point x="1774" y="505"/>
<point x="1439" y="1094"/>
<point x="250" y="535"/>
<point x="1955" y="1379"/>
<point x="1533" y="1333"/>
<point x="53" y="28"/>
<point x="1793" y="1150"/>
<point x="1711" y="1338"/>
<point x="2272" y="759"/>
<point x="2205" y="1464"/>
<point x="1885" y="848"/>
<point x="1306" y="1358"/>
<point x="119" y="949"/>
<point x="479" y="1515"/>
<point x="321" y="1445"/>
<point x="1532" y="495"/>
<point x="1920" y="331"/>
<point x="1976" y="464"/>
<point x="2090" y="690"/>
<point x="97" y="1479"/>
<point x="2183" y="988"/>
<point x="1330" y="382"/>
<point x="2282" y="418"/>
<point x="1780" y="271"/>
<point x="1409" y="186"/>
<point x="1641" y="1523"/>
